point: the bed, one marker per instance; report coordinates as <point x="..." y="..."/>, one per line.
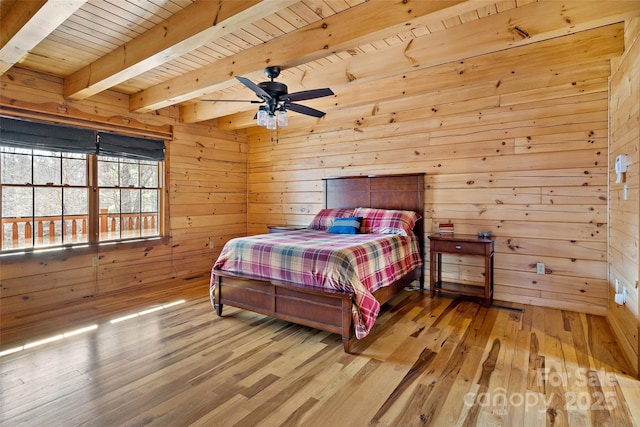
<point x="299" y="296"/>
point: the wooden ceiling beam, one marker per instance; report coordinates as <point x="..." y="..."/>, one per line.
<point x="525" y="25"/>
<point x="367" y="22"/>
<point x="189" y="29"/>
<point x="28" y="23"/>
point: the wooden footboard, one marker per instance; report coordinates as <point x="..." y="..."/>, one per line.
<point x="323" y="309"/>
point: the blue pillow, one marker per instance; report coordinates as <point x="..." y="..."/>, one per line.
<point x="349" y="225"/>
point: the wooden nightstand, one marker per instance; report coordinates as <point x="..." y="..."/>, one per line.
<point x="282" y="228"/>
<point x="461" y="244"/>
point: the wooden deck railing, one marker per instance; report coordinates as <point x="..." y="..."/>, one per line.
<point x="48" y="231"/>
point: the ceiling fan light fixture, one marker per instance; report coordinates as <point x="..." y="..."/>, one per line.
<point x="261" y="117"/>
<point x="283" y="118"/>
<point x="272" y="122"/>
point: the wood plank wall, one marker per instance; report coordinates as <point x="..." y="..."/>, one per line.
<point x="514" y="142"/>
<point x="624" y="217"/>
<point x="206" y="194"/>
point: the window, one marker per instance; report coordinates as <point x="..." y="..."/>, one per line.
<point x="95" y="192"/>
<point x="129" y="195"/>
<point x="45" y="198"/>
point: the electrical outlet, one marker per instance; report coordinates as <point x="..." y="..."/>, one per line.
<point x="540" y="268"/>
<point x="211" y="245"/>
<point x="95" y="261"/>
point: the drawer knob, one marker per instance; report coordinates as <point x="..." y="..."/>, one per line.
<point x="458" y="247"/>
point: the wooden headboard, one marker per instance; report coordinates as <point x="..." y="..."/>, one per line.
<point x="375" y="191"/>
<point x="405" y="192"/>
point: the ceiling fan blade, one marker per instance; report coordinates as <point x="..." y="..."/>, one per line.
<point x="305" y="110"/>
<point x="309" y="94"/>
<point x="254" y="87"/>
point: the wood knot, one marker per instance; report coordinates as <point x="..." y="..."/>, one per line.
<point x="520" y="33"/>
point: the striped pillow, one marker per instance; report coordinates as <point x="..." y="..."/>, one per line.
<point x="387" y="221"/>
<point x="324" y="219"/>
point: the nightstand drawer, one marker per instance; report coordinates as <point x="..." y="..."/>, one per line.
<point x="467" y="248"/>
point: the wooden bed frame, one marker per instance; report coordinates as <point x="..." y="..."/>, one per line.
<point x="322" y="308"/>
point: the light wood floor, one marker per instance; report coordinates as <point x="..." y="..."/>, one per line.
<point x="427" y="362"/>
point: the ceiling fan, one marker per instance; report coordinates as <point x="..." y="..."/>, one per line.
<point x="277" y="100"/>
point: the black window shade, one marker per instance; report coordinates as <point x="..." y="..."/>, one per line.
<point x="114" y="145"/>
<point x="44" y="136"/>
<point x="51" y="137"/>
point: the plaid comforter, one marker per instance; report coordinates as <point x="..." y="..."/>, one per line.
<point x="359" y="264"/>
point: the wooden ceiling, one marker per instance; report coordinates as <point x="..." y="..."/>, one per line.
<point x="177" y="52"/>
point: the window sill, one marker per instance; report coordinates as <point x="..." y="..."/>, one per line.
<point x="88" y="248"/>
